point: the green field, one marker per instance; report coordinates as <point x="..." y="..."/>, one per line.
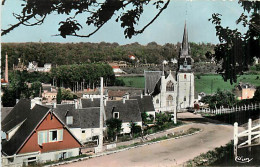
<point x="203" y="84"/>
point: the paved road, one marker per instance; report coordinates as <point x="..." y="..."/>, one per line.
<point x="169" y="153"/>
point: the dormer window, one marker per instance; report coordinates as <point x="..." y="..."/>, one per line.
<point x="69" y="120"/>
<point x="116" y="115"/>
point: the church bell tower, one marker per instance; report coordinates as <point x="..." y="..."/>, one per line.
<point x="185" y="75"/>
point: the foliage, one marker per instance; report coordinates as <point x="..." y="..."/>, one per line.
<point x="9" y="97"/>
<point x="236" y="50"/>
<point x="78" y="53"/>
<point x="161" y="119"/>
<point x="256" y="97"/>
<point x="219" y="99"/>
<point x="68" y="75"/>
<point x="114" y="127"/>
<point x="66" y="94"/>
<point x="135" y="129"/>
<point x="59" y="96"/>
<point x="97" y="14"/>
<point x="35" y="89"/>
<point x="119" y="82"/>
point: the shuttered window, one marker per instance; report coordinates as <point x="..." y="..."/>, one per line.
<point x="60" y="134"/>
<point x="42" y="137"/>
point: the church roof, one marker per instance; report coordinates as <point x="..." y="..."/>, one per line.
<point x="151" y="79"/>
<point x="185" y="48"/>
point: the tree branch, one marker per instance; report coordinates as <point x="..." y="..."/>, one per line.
<point x="158" y="14"/>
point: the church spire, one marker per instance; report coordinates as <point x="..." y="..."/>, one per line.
<point x="185" y="43"/>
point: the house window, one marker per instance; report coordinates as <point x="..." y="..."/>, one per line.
<point x="83" y="131"/>
<point x="184" y="98"/>
<point x="170" y="86"/>
<point x="157" y="101"/>
<point x="69" y="120"/>
<point x="42" y="137"/>
<point x="55" y="135"/>
<point x="116" y="115"/>
<point x="185" y="76"/>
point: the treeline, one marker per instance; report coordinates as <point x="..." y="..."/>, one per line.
<point x="69" y="75"/>
<point x="78" y="53"/>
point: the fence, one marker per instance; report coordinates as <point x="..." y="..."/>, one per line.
<point x="252" y="133"/>
<point x="229" y="110"/>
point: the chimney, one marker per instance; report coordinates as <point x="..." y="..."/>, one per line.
<point x="17" y="100"/>
<point x="6" y="67"/>
<point x="141" y="95"/>
<point x="54" y="105"/>
<point x="91" y="97"/>
<point x="76" y="103"/>
<point x="105" y="102"/>
<point x="124" y="99"/>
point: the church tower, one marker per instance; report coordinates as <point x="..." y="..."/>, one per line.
<point x="185" y="75"/>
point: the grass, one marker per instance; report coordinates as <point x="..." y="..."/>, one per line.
<point x="203" y="84"/>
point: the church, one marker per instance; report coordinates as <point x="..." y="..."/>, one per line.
<point x="173" y="91"/>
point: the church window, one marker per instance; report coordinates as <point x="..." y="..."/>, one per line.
<point x="185" y="76"/>
<point x="157" y="101"/>
<point x="170" y="86"/>
<point x="169" y="101"/>
<point x="184" y="98"/>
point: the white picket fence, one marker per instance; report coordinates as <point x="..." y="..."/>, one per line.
<point x="229" y="110"/>
<point x="252" y="133"/>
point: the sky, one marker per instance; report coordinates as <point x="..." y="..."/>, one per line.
<point x="167" y="28"/>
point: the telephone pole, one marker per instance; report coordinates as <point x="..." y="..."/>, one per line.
<point x="100" y="139"/>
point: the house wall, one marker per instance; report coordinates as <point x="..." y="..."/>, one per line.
<point x="32" y="145"/>
<point x="87" y="136"/>
<point x="22" y="159"/>
<point x="126" y="126"/>
<point x="248" y="93"/>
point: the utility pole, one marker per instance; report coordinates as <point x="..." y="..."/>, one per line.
<point x="100" y="143"/>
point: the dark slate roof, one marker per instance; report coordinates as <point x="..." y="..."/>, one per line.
<point x="89" y="103"/>
<point x="145" y="103"/>
<point x="63" y="110"/>
<point x="89" y="117"/>
<point x="151" y="79"/>
<point x="18" y="114"/>
<point x="82" y="118"/>
<point x="128" y="111"/>
<point x="5" y="111"/>
<point x="33" y="118"/>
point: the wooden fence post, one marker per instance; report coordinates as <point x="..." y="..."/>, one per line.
<point x="235" y="138"/>
<point x="249" y="131"/>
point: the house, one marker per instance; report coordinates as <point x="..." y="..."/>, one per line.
<point x="118" y="92"/>
<point x="173" y="91"/>
<point x="145" y="103"/>
<point x="83" y="122"/>
<point x="244" y="91"/>
<point x="49" y="93"/>
<point x="34" y="134"/>
<point x="33" y="66"/>
<point x="126" y="110"/>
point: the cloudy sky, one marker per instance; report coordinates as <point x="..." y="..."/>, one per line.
<point x="168" y="28"/>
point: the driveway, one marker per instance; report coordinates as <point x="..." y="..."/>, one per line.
<point x="169" y="153"/>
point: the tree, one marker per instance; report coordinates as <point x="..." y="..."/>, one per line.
<point x="36" y="88"/>
<point x="127" y="12"/>
<point x="59" y="96"/>
<point x="114" y="127"/>
<point x="256" y="97"/>
<point x="162" y="118"/>
<point x="135" y="129"/>
<point x="237" y="50"/>
<point x="219" y="99"/>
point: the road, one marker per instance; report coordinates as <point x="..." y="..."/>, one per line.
<point x="169" y="153"/>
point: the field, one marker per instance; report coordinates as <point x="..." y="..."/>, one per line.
<point x="207" y="83"/>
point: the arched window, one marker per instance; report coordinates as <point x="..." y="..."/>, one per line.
<point x="170" y="86"/>
<point x="169" y="101"/>
<point x="157" y="101"/>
